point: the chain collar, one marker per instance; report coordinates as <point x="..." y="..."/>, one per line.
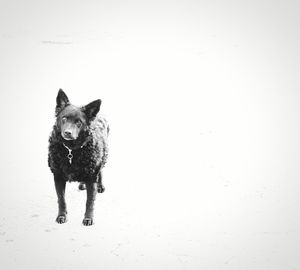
<point x="70" y="155"/>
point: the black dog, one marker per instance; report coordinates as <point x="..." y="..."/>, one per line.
<point x="77" y="152"/>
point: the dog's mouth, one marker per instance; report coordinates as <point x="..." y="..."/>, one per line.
<point x="68" y="137"/>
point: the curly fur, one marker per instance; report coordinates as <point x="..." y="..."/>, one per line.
<point x="88" y="160"/>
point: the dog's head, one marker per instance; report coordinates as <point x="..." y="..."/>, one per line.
<point x="72" y="120"/>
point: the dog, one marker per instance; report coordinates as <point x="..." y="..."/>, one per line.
<point x="78" y="151"/>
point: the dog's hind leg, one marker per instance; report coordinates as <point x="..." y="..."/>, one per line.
<point x="100" y="187"/>
<point x="60" y="186"/>
<point x="91" y="191"/>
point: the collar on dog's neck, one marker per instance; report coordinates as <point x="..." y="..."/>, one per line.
<point x="74" y="146"/>
<point x="70" y="155"/>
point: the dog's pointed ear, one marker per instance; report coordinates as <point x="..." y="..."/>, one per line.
<point x="92" y="109"/>
<point x="61" y="101"/>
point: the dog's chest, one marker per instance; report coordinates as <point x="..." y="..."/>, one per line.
<point x="79" y="164"/>
<point x="74" y="166"/>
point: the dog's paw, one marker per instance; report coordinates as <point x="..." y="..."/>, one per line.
<point x="82" y="186"/>
<point x="61" y="219"/>
<point x="88" y="221"/>
<point x="100" y="188"/>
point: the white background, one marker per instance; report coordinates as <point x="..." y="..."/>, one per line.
<point x="203" y="103"/>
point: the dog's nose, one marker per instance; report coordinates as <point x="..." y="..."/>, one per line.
<point x="67" y="133"/>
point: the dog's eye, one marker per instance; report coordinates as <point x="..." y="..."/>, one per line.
<point x="64" y="119"/>
<point x="78" y="123"/>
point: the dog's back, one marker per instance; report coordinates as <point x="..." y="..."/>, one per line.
<point x="99" y="130"/>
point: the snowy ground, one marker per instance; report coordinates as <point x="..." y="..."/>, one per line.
<point x="203" y="102"/>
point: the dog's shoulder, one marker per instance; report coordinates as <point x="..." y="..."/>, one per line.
<point x="99" y="126"/>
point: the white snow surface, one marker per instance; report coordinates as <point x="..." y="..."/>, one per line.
<point x="203" y="103"/>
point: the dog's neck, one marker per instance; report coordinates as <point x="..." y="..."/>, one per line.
<point x="70" y="155"/>
<point x="74" y="145"/>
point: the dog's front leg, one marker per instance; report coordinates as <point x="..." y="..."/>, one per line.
<point x="101" y="188"/>
<point x="91" y="191"/>
<point x="60" y="186"/>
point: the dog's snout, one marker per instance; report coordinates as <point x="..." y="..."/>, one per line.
<point x="68" y="134"/>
